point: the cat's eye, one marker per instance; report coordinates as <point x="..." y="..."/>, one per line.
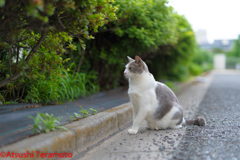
<point x="129" y="68"/>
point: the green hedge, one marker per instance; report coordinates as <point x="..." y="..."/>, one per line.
<point x="150" y="29"/>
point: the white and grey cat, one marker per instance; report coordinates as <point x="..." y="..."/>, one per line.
<point x="153" y="101"/>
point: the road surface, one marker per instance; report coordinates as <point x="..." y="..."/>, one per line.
<point x="217" y="99"/>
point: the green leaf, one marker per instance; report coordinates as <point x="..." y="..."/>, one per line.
<point x="47" y="130"/>
<point x="2" y="3"/>
<point x="61" y="127"/>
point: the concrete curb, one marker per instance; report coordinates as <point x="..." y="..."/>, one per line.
<point x="92" y="129"/>
<point x="81" y="134"/>
<point x="53" y="142"/>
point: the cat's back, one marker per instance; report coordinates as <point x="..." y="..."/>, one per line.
<point x="164" y="93"/>
<point x="166" y="101"/>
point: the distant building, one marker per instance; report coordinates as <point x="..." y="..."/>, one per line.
<point x="225" y="45"/>
<point x="201" y="36"/>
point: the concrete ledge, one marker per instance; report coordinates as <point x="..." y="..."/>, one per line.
<point x="79" y="137"/>
<point x="124" y="113"/>
<point x="93" y="128"/>
<point x="53" y="142"/>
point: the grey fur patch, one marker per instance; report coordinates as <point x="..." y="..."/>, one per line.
<point x="200" y="121"/>
<point x="137" y="65"/>
<point x="179" y="114"/>
<point x="136" y="68"/>
<point x="166" y="100"/>
<point x="179" y="122"/>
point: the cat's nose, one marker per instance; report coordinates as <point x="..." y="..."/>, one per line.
<point x="124" y="72"/>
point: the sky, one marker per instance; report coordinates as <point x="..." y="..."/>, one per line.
<point x="220" y="18"/>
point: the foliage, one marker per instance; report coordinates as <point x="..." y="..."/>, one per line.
<point x="150" y="29"/>
<point x="72" y="16"/>
<point x="218" y="50"/>
<point x="76" y="115"/>
<point x="232" y="61"/>
<point x="45" y="123"/>
<point x="202" y="61"/>
<point x="94" y="111"/>
<point x="44" y="57"/>
<point x="172" y="62"/>
<point x="35" y="34"/>
<point x="59" y="88"/>
<point x="84" y="112"/>
<point x="235" y="51"/>
<point x="233" y="56"/>
<point x="195" y="69"/>
<point x="149" y="23"/>
<point x="71" y="118"/>
<point x="47" y="61"/>
<point x="142" y="27"/>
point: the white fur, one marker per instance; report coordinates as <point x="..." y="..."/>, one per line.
<point x="144" y="101"/>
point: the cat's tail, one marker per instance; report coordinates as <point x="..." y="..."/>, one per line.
<point x="200" y="121"/>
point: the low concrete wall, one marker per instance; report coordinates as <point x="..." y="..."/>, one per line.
<point x="80" y="135"/>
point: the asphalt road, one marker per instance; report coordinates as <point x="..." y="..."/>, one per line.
<point x="218" y="100"/>
<point x="220" y="139"/>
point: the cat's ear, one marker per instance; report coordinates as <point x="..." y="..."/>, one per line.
<point x="130" y="59"/>
<point x="138" y="60"/>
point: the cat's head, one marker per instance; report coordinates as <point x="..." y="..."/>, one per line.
<point x="137" y="66"/>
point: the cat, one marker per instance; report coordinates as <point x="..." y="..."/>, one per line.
<point x="153" y="101"/>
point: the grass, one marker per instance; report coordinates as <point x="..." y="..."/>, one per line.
<point x="84" y="112"/>
<point x="45" y="123"/>
<point x="67" y="87"/>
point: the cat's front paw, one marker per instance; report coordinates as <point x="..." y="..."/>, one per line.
<point x="132" y="131"/>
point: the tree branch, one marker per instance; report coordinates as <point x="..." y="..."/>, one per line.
<point x="34" y="49"/>
<point x="80" y="62"/>
<point x="60" y="22"/>
<point x="10" y="60"/>
<point x="110" y="29"/>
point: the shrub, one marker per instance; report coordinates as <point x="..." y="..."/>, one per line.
<point x="195" y="69"/>
<point x="232" y="61"/>
<point x="35" y="34"/>
<point x="142" y="27"/>
<point x="172" y="61"/>
<point x="203" y="59"/>
<point x="61" y="88"/>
